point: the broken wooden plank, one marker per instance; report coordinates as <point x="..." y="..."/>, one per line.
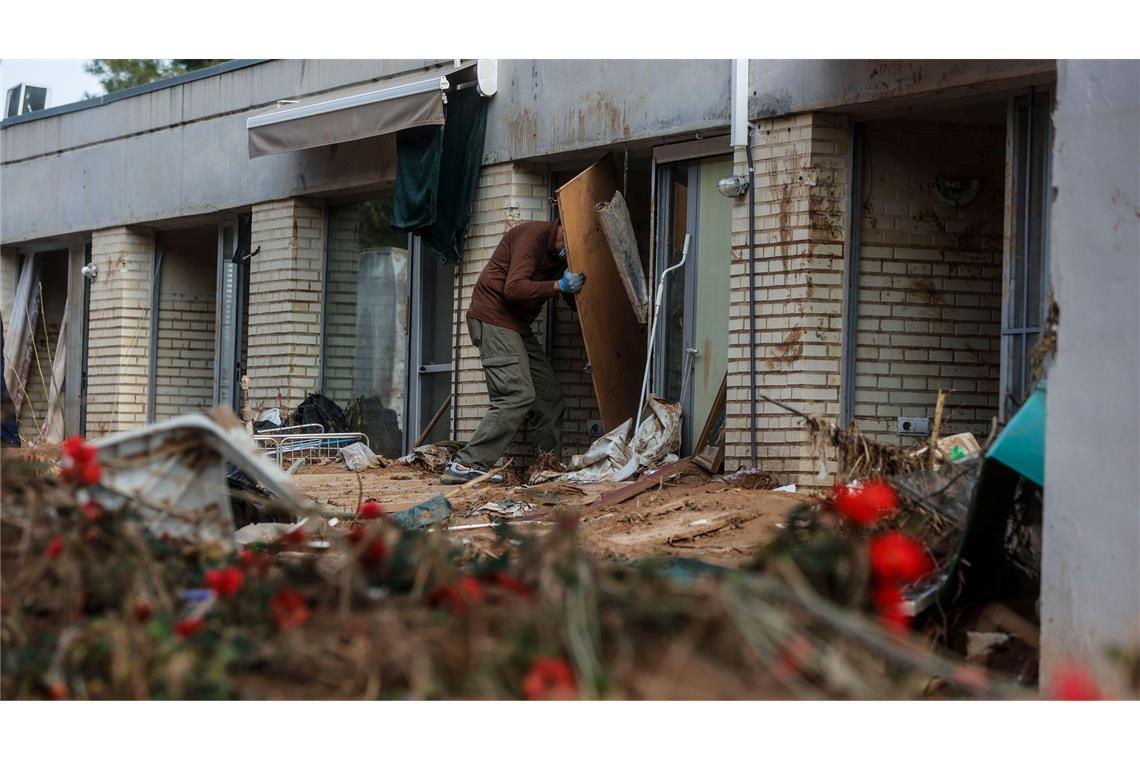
<point x="615" y="341"/>
<point x="618" y="229"/>
<point x="625" y="493"/>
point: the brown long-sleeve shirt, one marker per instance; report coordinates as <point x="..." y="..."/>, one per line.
<point x="519" y="278"/>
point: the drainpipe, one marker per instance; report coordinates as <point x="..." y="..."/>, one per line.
<point x="751" y="294"/>
<point x="457" y="349"/>
<point x="741" y="135"/>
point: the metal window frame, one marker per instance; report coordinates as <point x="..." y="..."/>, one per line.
<point x="227" y="352"/>
<point x="152" y="338"/>
<point x="78" y="296"/>
<point x="413" y="413"/>
<point x="1026" y="224"/>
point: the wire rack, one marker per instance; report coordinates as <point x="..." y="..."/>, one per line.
<point x="307" y="443"/>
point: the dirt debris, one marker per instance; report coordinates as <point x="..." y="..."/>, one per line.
<point x="719" y="522"/>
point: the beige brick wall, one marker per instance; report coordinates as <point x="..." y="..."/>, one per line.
<point x="286" y="282"/>
<point x="340" y="309"/>
<point x="929" y="277"/>
<point x="119" y="327"/>
<point x="184" y="367"/>
<point x="507" y="195"/>
<point x="801" y="185"/>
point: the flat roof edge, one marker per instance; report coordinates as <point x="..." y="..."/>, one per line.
<point x="142" y="89"/>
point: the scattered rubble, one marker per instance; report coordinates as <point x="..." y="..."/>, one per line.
<point x="376" y="582"/>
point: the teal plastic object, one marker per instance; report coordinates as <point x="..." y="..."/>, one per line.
<point x="1021" y="445"/>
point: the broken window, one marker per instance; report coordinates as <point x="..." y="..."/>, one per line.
<point x="364" y="368"/>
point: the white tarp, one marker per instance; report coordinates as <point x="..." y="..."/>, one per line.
<point x="610" y="458"/>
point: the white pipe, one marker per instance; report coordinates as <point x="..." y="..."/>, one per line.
<point x="738" y="110"/>
<point x="659" y="297"/>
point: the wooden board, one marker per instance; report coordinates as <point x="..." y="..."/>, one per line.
<point x="625" y="493"/>
<point x="615" y="342"/>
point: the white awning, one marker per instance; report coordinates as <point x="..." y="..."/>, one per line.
<point x="378" y="108"/>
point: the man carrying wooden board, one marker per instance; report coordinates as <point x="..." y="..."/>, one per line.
<point x="526" y="269"/>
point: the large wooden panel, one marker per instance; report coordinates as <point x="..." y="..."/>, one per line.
<point x="615" y="342"/>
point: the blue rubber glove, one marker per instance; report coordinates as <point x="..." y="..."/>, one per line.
<point x="571" y="282"/>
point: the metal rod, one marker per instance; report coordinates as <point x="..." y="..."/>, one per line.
<point x="850" y="334"/>
<point x="653" y="331"/>
<point x="785" y="407"/>
<point x="432" y="422"/>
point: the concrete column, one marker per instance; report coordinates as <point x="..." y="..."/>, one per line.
<point x="119" y="318"/>
<point x="286" y="286"/>
<point x="1090" y="574"/>
<point x="9" y="266"/>
<point x="801" y="189"/>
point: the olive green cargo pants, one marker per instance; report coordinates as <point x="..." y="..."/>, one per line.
<point x="520" y="380"/>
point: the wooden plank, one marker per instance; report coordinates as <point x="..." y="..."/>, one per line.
<point x="618" y="229"/>
<point x="625" y="493"/>
<point x="615" y="342"/>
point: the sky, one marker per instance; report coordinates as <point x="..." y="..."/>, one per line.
<point x="66" y="78"/>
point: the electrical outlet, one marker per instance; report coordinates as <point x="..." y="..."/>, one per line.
<point x="594" y="428"/>
<point x="914" y="426"/>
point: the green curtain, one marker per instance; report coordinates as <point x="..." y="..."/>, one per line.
<point x="418" y="154"/>
<point x="437" y="170"/>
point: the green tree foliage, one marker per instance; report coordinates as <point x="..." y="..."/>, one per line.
<point x="120" y="73"/>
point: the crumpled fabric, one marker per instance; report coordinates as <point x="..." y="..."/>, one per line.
<point x="610" y="458"/>
<point x="430" y="456"/>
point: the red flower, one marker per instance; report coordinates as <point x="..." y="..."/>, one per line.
<point x="889" y="601"/>
<point x="80" y="462"/>
<point x="357" y="534"/>
<point x="58" y="690"/>
<point x="92" y="510"/>
<point x="896" y="557"/>
<point x="369" y="510"/>
<point x="143" y="610"/>
<point x="78" y="450"/>
<point x="375" y="553"/>
<point x="550" y="678"/>
<point x="187" y="627"/>
<point x="866" y="504"/>
<point x="1072" y="683"/>
<point x="295" y="537"/>
<point x="54" y="547"/>
<point x="289" y="609"/>
<point x="225" y="581"/>
<point x="457" y="594"/>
